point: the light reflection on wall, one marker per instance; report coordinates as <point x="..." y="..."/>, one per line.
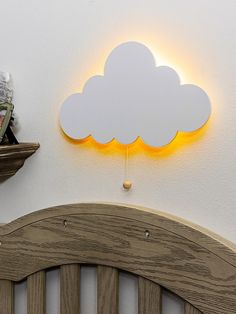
<point x="175" y="61"/>
<point x="181" y="140"/>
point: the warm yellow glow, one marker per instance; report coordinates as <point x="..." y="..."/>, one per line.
<point x="174" y="59"/>
<point x="182" y="139"/>
<point x="164" y="50"/>
<point x="97" y="67"/>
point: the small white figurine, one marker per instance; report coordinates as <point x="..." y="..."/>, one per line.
<point x="7" y="119"/>
<point x="6" y="89"/>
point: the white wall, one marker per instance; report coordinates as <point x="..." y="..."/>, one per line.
<point x="52" y="47"/>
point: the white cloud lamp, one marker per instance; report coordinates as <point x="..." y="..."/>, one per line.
<point x="134" y="98"/>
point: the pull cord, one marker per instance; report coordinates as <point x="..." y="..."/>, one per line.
<point x="127" y="184"/>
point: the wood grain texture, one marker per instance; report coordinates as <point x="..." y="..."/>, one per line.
<point x="189" y="309"/>
<point x="6" y="297"/>
<point x="12" y="158"/>
<point x="36" y="293"/>
<point x="185" y="260"/>
<point x="107" y="290"/>
<point x="205" y="238"/>
<point x="149" y="297"/>
<point x="70" y="289"/>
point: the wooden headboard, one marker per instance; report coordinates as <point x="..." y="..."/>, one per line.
<point x="161" y="250"/>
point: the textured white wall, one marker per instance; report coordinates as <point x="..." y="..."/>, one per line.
<point x="51" y="48"/>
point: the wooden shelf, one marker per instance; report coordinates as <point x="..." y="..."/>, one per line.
<point x="12" y="158"/>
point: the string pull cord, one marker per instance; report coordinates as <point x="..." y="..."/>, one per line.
<point x="127" y="184"/>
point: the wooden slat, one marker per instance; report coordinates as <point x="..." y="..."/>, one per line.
<point x="107" y="290"/>
<point x="36" y="298"/>
<point x="149" y="297"/>
<point x="6" y="297"/>
<point x="70" y="289"/>
<point x="189" y="309"/>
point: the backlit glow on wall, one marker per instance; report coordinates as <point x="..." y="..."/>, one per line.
<point x="134" y="100"/>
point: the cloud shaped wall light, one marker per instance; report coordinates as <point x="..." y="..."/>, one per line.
<point x="134" y="98"/>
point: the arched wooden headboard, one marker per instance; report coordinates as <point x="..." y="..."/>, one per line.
<point x="162" y="251"/>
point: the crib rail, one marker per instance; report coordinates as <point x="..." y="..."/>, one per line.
<point x="162" y="251"/>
